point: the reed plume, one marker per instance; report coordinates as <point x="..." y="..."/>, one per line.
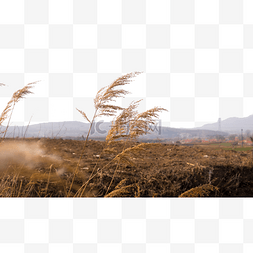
<point x="119" y="127"/>
<point x="141" y="123"/>
<point x="17" y="95"/>
<point x="108" y="94"/>
<point x="138" y="124"/>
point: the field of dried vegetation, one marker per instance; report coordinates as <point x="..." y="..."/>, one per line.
<point x="120" y="166"/>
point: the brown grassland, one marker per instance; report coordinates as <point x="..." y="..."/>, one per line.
<point x="120" y="166"/>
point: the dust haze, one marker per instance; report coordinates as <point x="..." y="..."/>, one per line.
<point x="24" y="154"/>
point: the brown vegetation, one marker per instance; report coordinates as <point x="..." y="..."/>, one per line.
<point x="120" y="166"/>
<point x="158" y="170"/>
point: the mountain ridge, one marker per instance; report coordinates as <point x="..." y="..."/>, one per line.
<point x="77" y="129"/>
<point x="231" y="125"/>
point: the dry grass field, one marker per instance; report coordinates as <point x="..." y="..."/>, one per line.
<point x="120" y="166"/>
<point x="47" y="168"/>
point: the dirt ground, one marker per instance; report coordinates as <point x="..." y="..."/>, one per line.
<point x="160" y="170"/>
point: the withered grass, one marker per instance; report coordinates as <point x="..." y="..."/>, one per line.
<point x="52" y="176"/>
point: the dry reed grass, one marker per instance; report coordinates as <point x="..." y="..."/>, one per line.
<point x="206" y="190"/>
<point x="102" y="108"/>
<point x="19" y="94"/>
<point x="128" y="118"/>
<point x="19" y="176"/>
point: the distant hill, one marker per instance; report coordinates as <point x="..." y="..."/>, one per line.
<point x="231" y="125"/>
<point x="79" y="130"/>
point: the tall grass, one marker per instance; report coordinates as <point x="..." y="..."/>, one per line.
<point x="8" y="111"/>
<point x="127" y="125"/>
<point x="102" y="107"/>
<point x="128" y="118"/>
